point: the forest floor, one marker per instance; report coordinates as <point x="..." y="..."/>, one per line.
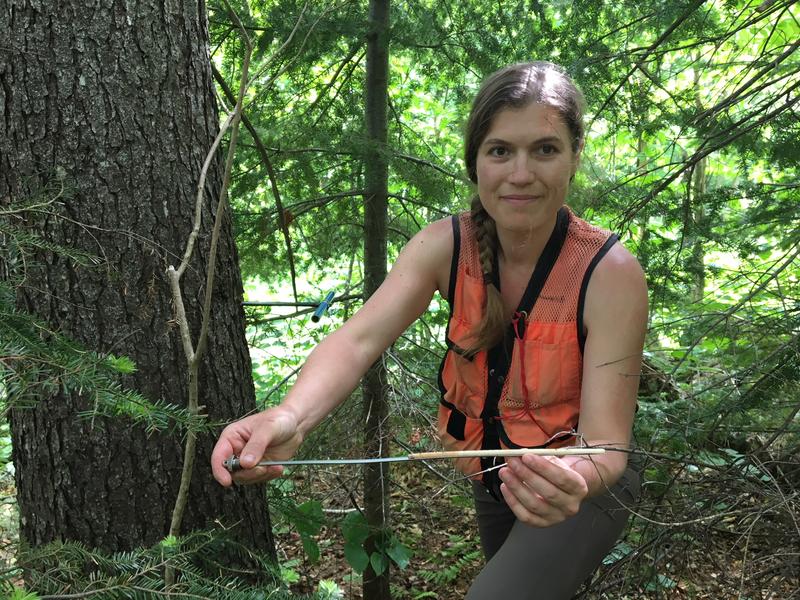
<point x="437" y="522"/>
<point x="8" y="520"/>
<point x="434" y="519"/>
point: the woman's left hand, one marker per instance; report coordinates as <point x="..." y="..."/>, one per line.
<point x="542" y="490"/>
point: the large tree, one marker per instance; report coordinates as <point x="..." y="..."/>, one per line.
<point x="116" y="101"/>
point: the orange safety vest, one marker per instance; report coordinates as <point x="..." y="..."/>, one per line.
<point x="526" y="391"/>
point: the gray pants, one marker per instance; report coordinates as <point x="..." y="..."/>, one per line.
<point x="530" y="563"/>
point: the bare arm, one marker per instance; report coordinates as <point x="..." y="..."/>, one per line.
<point x="334" y="368"/>
<point x="543" y="491"/>
<point x="616" y="321"/>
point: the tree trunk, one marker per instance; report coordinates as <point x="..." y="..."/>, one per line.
<point x="117" y="100"/>
<point x="376" y="409"/>
<point x="697" y="189"/>
<point x="643" y="254"/>
<point x="696" y="266"/>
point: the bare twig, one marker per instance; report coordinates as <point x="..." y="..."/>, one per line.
<point x="262" y="151"/>
<point x="194" y="357"/>
<point x="201" y="194"/>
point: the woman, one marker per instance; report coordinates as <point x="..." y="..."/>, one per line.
<point x="548" y="316"/>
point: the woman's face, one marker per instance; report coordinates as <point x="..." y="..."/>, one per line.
<point x="524" y="166"/>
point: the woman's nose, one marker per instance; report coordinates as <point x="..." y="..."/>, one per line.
<point x="522" y="171"/>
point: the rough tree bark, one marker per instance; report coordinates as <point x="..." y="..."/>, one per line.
<point x="375" y="393"/>
<point x="117" y="98"/>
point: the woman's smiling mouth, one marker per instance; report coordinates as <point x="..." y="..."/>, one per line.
<point x="519" y="198"/>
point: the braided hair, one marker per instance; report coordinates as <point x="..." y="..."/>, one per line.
<point x="515" y="86"/>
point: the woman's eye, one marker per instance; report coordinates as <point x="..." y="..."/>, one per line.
<point x="547" y="149"/>
<point x="498" y="151"/>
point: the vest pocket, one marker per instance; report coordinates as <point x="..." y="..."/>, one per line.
<point x="457" y="431"/>
<point x="546" y="388"/>
<point x="463" y="378"/>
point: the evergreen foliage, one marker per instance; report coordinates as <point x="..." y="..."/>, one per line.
<point x="692" y="155"/>
<point x="64" y="568"/>
<point x="35" y="360"/>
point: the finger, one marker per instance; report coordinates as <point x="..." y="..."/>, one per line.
<point x="539" y="486"/>
<point x="222" y="451"/>
<point x="520" y="509"/>
<point x="254" y="449"/>
<point x="556" y="472"/>
<point x="558" y="486"/>
<point x="257" y="475"/>
<point x="522" y="493"/>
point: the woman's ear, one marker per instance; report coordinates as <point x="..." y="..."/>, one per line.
<point x="576" y="160"/>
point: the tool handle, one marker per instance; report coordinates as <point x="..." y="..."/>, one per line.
<point x="322" y="307"/>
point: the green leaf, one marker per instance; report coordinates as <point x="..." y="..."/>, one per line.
<point x="310" y="519"/>
<point x="660" y="582"/>
<point x="329" y="590"/>
<point x="620" y="551"/>
<point x="379" y="562"/>
<point x="289" y="575"/>
<point x="355" y="528"/>
<point x="712" y="458"/>
<point x="399" y="553"/>
<point x="356" y="556"/>
<point x="310" y="547"/>
<point x="19" y="594"/>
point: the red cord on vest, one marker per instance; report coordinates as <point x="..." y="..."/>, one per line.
<point x="528" y="409"/>
<point x="515" y="324"/>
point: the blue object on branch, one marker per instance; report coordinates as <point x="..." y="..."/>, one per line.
<point x="323" y="306"/>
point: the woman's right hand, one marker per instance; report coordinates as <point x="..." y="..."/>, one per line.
<point x="269" y="435"/>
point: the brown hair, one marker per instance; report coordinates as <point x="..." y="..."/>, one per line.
<point x="515" y="86"/>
